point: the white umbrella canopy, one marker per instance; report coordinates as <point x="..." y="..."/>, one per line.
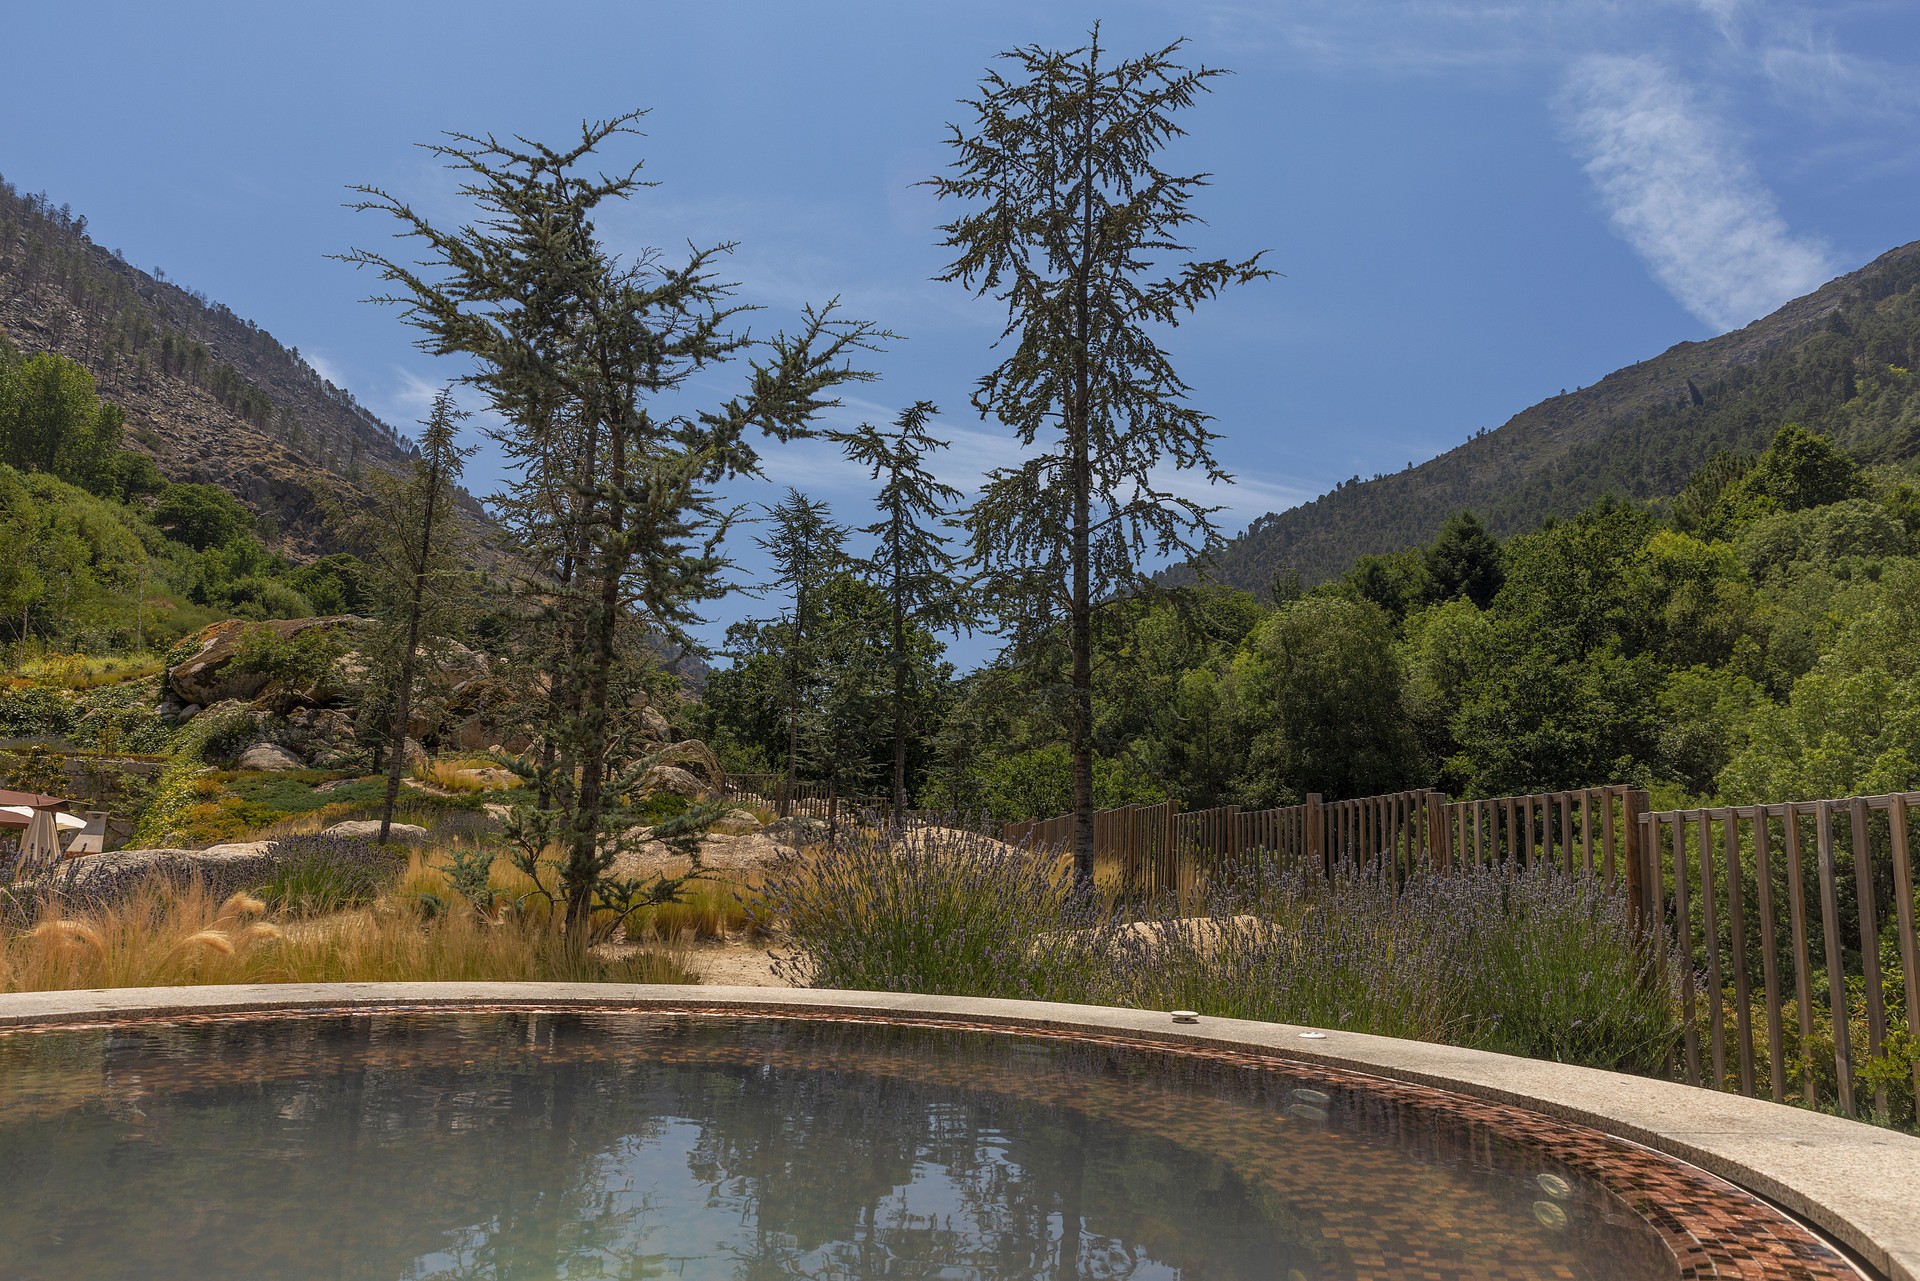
<point x="65" y="822"/>
<point x="40" y="847"/>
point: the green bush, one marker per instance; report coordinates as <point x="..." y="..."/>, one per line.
<point x="37" y="711"/>
<point x="944" y="911"/>
<point x="314" y="875"/>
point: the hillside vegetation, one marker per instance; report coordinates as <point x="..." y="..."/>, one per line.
<point x="1838" y="361"/>
<point x="208" y="397"/>
<point x="105" y="556"/>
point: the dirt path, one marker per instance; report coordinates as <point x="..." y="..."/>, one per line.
<point x="733" y="964"/>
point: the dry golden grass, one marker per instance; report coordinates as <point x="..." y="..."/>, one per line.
<point x="164" y="936"/>
<point x="715" y="908"/>
<point x="87" y="671"/>
<point x="456" y="776"/>
<point x="707" y="909"/>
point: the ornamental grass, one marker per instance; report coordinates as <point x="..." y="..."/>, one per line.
<point x="164" y="933"/>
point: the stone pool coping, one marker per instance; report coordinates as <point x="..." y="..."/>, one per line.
<point x="1858" y="1184"/>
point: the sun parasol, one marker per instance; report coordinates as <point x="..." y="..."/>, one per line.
<point x="40" y="847"/>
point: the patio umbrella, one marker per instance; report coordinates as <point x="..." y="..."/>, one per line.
<point x="40" y="847"/>
<point x="22" y="816"/>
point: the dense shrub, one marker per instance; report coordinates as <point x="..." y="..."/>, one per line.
<point x="942" y="911"/>
<point x="1296" y="947"/>
<point x="1554" y="969"/>
<point x="1537" y="963"/>
<point x="37" y="711"/>
<point x="317" y="874"/>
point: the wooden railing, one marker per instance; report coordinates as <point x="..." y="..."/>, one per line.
<point x="825" y="801"/>
<point x="1777" y="911"/>
<point x="1785" y="904"/>
<point x="813" y="800"/>
<point x="1155" y="848"/>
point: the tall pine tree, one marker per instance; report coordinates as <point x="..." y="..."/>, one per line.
<point x="588" y="358"/>
<point x="910" y="562"/>
<point x="806" y="547"/>
<point x="1074" y="227"/>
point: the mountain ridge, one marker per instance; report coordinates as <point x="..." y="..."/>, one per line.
<point x="208" y="395"/>
<point x="1639" y="431"/>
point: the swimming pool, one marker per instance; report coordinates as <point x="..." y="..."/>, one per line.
<point x="720" y="1142"/>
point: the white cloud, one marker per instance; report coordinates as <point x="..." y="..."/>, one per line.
<point x="817" y="467"/>
<point x="1724" y="14"/>
<point x="323" y="366"/>
<point x="1679" y="190"/>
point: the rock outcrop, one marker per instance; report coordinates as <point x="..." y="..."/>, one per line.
<point x="369" y="829"/>
<point x="209" y="675"/>
<point x="268" y="756"/>
<point x="104" y="878"/>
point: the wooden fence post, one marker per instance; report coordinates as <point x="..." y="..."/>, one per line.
<point x="1171" y="856"/>
<point x="1439" y="832"/>
<point x="1316" y="832"/>
<point x="1638" y="849"/>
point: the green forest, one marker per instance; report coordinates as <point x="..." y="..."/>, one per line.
<point x="1757" y="638"/>
<point x="108" y="557"/>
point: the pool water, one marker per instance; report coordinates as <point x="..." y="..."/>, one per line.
<point x="510" y="1145"/>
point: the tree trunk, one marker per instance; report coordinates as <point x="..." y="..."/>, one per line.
<point x="403" y="697"/>
<point x="793" y="697"/>
<point x="899" y="701"/>
<point x="583" y="858"/>
<point x="1080" y="633"/>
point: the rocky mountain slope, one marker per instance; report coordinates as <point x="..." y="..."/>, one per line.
<point x="210" y="396"/>
<point x="1837" y="361"/>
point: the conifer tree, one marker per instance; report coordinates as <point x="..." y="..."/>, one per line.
<point x="807" y="546"/>
<point x="415" y="565"/>
<point x="588" y="357"/>
<point x="910" y="562"/>
<point x="1464" y="560"/>
<point x="1075" y="228"/>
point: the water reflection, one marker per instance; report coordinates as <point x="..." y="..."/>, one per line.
<point x="540" y="1146"/>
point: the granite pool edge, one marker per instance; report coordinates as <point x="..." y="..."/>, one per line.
<point x="1857" y="1184"/>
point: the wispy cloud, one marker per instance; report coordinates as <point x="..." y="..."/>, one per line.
<point x="817" y="467"/>
<point x="1679" y="190"/>
<point x="323" y="366"/>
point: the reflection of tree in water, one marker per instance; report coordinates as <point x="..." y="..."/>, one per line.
<point x="349" y="1173"/>
<point x="848" y="1174"/>
<point x="506" y="1148"/>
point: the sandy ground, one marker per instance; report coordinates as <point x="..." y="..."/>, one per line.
<point x="738" y="964"/>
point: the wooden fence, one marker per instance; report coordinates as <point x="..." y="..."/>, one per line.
<point x="813" y="800"/>
<point x="1156" y="848"/>
<point x="1779" y="912"/>
<point x="822" y="801"/>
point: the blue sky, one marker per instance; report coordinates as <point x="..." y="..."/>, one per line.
<point x="1475" y="204"/>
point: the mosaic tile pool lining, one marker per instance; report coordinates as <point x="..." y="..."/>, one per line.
<point x="1708" y="1227"/>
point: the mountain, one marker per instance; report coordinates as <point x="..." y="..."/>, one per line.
<point x="211" y="397"/>
<point x="1837" y="361"/>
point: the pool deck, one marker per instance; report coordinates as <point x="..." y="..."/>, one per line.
<point x="1858" y="1184"/>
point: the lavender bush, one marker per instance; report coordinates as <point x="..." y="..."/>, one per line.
<point x="941" y="910"/>
<point x="314" y="875"/>
<point x="1298" y="947"/>
<point x="1536" y="963"/>
<point x="1553" y="968"/>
